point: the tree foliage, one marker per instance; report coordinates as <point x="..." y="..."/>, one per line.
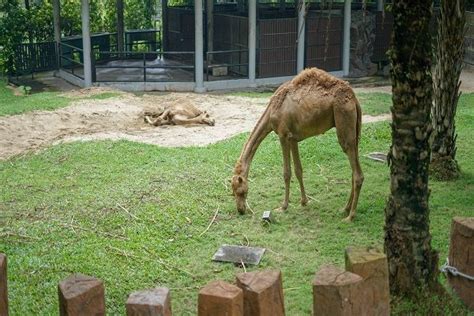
<point x="19" y="25"/>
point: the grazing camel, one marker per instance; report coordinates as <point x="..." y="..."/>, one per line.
<point x="179" y="113"/>
<point x="308" y="105"/>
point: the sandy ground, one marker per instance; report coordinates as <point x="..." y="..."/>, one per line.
<point x="122" y="118"/>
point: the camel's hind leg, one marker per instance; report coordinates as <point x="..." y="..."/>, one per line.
<point x="285" y="148"/>
<point x="357" y="180"/>
<point x="298" y="171"/>
<point x="201" y="119"/>
<point x="346" y="127"/>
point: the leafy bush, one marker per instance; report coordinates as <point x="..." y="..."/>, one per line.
<point x="18" y="25"/>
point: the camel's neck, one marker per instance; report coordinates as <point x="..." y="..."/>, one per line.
<point x="261" y="130"/>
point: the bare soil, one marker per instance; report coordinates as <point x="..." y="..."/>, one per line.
<point x="121" y="117"/>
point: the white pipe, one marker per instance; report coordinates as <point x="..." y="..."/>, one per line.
<point x="301" y="37"/>
<point x="252" y="40"/>
<point x="199" y="47"/>
<point x="380" y="6"/>
<point x="86" y="43"/>
<point x="346" y="45"/>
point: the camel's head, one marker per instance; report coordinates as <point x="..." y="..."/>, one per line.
<point x="240" y="189"/>
<point x="207" y="119"/>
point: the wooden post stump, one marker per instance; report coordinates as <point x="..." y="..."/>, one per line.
<point x="81" y="295"/>
<point x="337" y="292"/>
<point x="153" y="302"/>
<point x="3" y="286"/>
<point x="220" y="298"/>
<point x="263" y="293"/>
<point x="461" y="256"/>
<point x="371" y="264"/>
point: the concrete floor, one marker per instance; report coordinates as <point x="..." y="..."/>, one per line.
<point x="47" y="81"/>
<point x="158" y="70"/>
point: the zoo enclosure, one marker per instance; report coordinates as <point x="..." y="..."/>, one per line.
<point x="170" y="56"/>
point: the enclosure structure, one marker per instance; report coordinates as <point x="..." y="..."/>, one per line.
<point x="214" y="44"/>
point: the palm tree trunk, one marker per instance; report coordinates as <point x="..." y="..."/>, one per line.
<point x="449" y="56"/>
<point x="412" y="262"/>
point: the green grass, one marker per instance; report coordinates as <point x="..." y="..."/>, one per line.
<point x="372" y="103"/>
<point x="252" y="94"/>
<point x="133" y="215"/>
<point x="11" y="104"/>
<point x="375" y="103"/>
<point x="104" y="95"/>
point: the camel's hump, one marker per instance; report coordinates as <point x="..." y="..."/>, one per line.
<point x="318" y="77"/>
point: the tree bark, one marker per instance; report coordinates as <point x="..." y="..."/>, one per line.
<point x="449" y="56"/>
<point x="412" y="262"/>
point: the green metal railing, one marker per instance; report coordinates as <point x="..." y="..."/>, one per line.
<point x="71" y="58"/>
<point x="147" y="63"/>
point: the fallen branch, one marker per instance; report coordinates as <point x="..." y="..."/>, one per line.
<point x="243" y="265"/>
<point x="209" y="226"/>
<point x="126" y="211"/>
<point x="11" y="234"/>
<point x="71" y="226"/>
<point x="248" y="206"/>
<point x="122" y="252"/>
<point x="279" y="254"/>
<point x="165" y="264"/>
<point x="312" y="198"/>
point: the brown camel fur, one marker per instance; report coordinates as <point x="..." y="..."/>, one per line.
<point x="179" y="113"/>
<point x="309" y="105"/>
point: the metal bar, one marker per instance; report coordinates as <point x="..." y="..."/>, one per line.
<point x="207" y="66"/>
<point x="149" y="67"/>
<point x="228" y="51"/>
<point x="70" y="46"/>
<point x="144" y="68"/>
<point x="138" y="53"/>
<point x="72" y="60"/>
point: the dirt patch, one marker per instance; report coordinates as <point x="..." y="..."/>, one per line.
<point x="122" y="118"/>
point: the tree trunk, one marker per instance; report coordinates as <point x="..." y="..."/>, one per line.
<point x="449" y="56"/>
<point x="120" y="27"/>
<point x="412" y="262"/>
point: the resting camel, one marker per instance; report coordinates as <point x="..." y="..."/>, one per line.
<point x="308" y="105"/>
<point x="179" y="113"/>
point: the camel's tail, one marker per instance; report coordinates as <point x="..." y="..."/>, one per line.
<point x="359" y="122"/>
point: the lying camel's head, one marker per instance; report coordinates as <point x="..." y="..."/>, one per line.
<point x="206" y="118"/>
<point x="240" y="189"/>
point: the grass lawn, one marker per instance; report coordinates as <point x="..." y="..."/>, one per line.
<point x="134" y="215"/>
<point x="11" y="104"/>
<point x="372" y="103"/>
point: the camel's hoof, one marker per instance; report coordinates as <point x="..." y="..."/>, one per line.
<point x="304" y="202"/>
<point x="348" y="219"/>
<point x="345" y="211"/>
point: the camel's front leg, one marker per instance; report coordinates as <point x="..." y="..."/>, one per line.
<point x="285" y="148"/>
<point x="160" y="120"/>
<point x="298" y="171"/>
